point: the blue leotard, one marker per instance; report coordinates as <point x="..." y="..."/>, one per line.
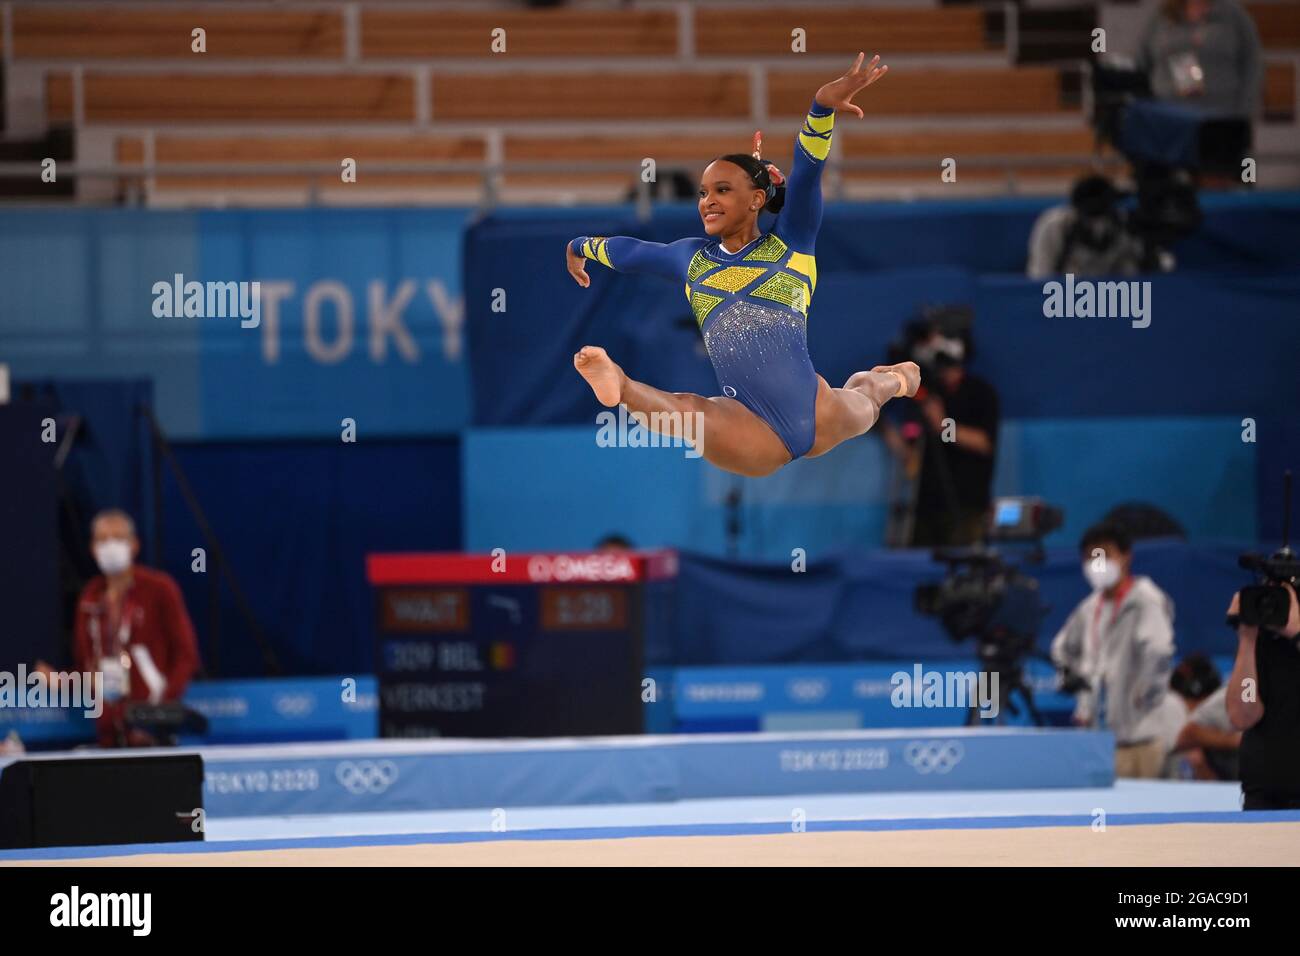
<point x="752" y="304"/>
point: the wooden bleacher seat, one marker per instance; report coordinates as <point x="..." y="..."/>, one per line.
<point x="888" y="144"/>
<point x="329" y="150"/>
<point x="843" y="30"/>
<point x="1279" y="91"/>
<point x="958" y="92"/>
<point x="239" y="97"/>
<point x="689" y="151"/>
<point x="924" y="151"/>
<point x="163" y="33"/>
<point x="397" y="33"/>
<point x="586" y="96"/>
<point x="58" y="98"/>
<point x="1278" y="24"/>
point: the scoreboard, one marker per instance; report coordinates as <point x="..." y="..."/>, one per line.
<point x="514" y="645"/>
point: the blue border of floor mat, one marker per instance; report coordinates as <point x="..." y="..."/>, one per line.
<point x="664" y="830"/>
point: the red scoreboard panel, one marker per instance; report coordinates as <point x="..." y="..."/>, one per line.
<point x="513" y="645"/>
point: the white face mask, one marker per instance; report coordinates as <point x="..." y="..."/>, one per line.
<point x="953" y="349"/>
<point x="113" y="556"/>
<point x="1106" y="577"/>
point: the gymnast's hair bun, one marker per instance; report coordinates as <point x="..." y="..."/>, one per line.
<point x="776" y="190"/>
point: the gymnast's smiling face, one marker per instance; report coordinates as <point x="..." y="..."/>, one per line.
<point x="728" y="197"/>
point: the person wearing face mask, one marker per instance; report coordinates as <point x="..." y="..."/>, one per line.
<point x="1116" y="650"/>
<point x="132" y="627"/>
<point x="1086" y="237"/>
<point x="954" y="422"/>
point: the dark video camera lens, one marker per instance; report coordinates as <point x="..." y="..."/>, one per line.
<point x="1265" y="605"/>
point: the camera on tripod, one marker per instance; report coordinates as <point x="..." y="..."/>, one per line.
<point x="985" y="597"/>
<point x="1267" y="605"/>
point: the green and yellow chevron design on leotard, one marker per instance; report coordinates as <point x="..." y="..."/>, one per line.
<point x="594" y="248"/>
<point x="702" y="304"/>
<point x="815" y="136"/>
<point x="699" y="265"/>
<point x="771" y="249"/>
<point x="733" y="278"/>
<point x="786" y="289"/>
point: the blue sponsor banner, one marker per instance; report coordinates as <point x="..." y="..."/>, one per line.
<point x="846" y="696"/>
<point x="359" y="314"/>
<point x="238" y="711"/>
<point x="389" y="776"/>
<point x="843" y="696"/>
<point x="319" y="708"/>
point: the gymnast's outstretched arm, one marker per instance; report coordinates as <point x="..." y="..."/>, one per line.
<point x="801" y="216"/>
<point x="624" y="254"/>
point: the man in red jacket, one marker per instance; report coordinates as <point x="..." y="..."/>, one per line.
<point x="132" y="627"/>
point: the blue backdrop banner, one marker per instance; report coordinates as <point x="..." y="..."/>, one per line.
<point x="859" y="605"/>
<point x="358" y="314"/>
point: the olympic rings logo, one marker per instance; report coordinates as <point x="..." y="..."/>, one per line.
<point x="294" y="705"/>
<point x="938" y="756"/>
<point x="366" y="776"/>
<point x="807" y="690"/>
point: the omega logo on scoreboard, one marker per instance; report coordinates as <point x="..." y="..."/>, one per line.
<point x="580" y="567"/>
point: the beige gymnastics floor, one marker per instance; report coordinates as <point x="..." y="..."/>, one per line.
<point x="1178" y="844"/>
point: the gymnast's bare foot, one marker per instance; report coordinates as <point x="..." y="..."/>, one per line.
<point x="602" y="374"/>
<point x="909" y="372"/>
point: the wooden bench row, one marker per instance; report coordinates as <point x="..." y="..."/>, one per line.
<point x="154" y="32"/>
<point x="148" y="98"/>
<point x="692" y="149"/>
<point x="42" y="32"/>
<point x="919" y="154"/>
<point x="565" y="96"/>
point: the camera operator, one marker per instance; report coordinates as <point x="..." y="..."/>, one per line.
<point x="949" y="430"/>
<point x="1264" y="703"/>
<point x="1115" y="653"/>
<point x="1087" y="237"/>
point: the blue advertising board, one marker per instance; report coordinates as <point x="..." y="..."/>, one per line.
<point x="250" y="323"/>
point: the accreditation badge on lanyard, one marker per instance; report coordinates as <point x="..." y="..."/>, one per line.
<point x="116" y="668"/>
<point x="1189" y="76"/>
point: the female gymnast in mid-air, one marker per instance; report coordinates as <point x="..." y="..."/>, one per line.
<point x="750" y="293"/>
